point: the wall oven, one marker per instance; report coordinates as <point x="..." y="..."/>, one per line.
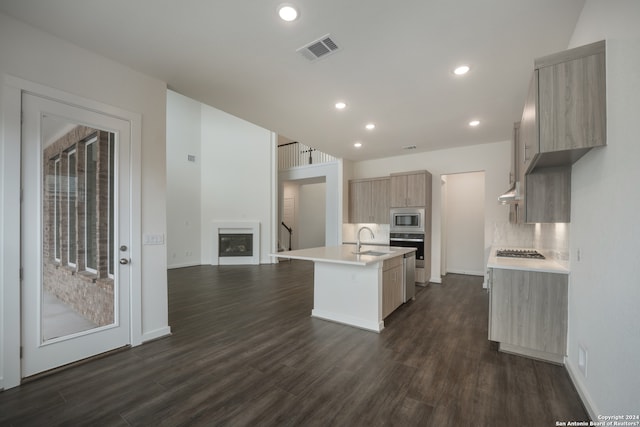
<point x="410" y="240"/>
<point x="407" y="220"/>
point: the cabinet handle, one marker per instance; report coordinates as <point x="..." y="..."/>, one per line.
<point x="526" y="147"/>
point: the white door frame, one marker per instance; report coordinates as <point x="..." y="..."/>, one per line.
<point x="10" y="146"/>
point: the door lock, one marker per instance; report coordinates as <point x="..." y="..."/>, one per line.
<point x="123" y="248"/>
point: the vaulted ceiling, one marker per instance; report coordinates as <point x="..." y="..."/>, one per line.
<point x="393" y="66"/>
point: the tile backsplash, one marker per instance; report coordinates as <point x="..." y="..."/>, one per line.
<point x="380" y="231"/>
<point x="551" y="238"/>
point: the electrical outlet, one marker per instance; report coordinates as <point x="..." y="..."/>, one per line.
<point x="582" y="360"/>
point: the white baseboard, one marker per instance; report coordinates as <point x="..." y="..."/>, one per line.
<point x="582" y="390"/>
<point x="467" y="272"/>
<point x="158" y="333"/>
<point x="184" y="264"/>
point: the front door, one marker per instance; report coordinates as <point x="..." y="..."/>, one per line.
<point x="75" y="233"/>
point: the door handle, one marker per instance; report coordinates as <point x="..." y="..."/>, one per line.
<point x="124" y="261"/>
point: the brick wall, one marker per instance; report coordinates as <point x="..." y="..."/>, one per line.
<point x="90" y="293"/>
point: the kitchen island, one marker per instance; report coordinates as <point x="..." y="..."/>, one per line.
<point x="355" y="289"/>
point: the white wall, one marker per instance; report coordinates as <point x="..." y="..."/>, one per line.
<point x="312" y="215"/>
<point x="494" y="159"/>
<point x="183" y="180"/>
<point x="35" y="56"/>
<point x="238" y="178"/>
<point x="464" y="215"/>
<point x="605" y="284"/>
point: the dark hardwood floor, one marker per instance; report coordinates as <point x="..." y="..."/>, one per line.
<point x="245" y="352"/>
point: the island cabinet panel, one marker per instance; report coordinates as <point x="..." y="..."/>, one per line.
<point x="391" y="285"/>
<point x="528" y="312"/>
<point x="369" y="201"/>
<point x="411" y="189"/>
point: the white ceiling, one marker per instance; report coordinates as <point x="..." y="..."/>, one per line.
<point x="393" y="68"/>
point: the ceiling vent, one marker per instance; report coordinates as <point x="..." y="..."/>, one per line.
<point x="320" y="48"/>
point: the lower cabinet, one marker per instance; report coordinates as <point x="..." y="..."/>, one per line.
<point x="528" y="313"/>
<point x="391" y="285"/>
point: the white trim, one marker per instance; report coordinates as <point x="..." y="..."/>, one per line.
<point x="466" y="272"/>
<point x="587" y="402"/>
<point x="57" y="239"/>
<point x="183" y="265"/>
<point x="87" y="226"/>
<point x="155" y="334"/>
<point x="10" y="237"/>
<point x="333" y="174"/>
<point x="345" y="319"/>
<point x="73" y="153"/>
<point x="252" y="227"/>
<point x="10" y="370"/>
<point x="274" y="229"/>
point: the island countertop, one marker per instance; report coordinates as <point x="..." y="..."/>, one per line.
<point x="344" y="254"/>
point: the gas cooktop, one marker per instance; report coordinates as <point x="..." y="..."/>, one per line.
<point x="519" y="253"/>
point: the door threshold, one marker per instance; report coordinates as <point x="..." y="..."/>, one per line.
<point x="39" y="375"/>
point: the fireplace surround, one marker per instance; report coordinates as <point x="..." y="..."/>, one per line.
<point x="236" y="243"/>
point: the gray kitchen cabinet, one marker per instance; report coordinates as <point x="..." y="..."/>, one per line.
<point x="391" y="285"/>
<point x="545" y="193"/>
<point x="528" y="313"/>
<point x="563" y="118"/>
<point x="565" y="111"/>
<point x="572" y="101"/>
<point x="515" y="209"/>
<point x="548" y="195"/>
<point x="369" y="200"/>
<point x="411" y="189"/>
<point x="528" y="134"/>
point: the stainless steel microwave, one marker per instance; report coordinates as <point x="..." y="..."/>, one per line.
<point x="408" y="220"/>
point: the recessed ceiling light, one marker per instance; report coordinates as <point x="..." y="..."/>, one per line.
<point x="463" y="69"/>
<point x="287" y="12"/>
<point x="474" y="123"/>
<point x="358" y="144"/>
<point x="370" y="126"/>
<point x="341" y="105"/>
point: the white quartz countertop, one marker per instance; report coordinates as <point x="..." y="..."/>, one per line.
<point x="547" y="265"/>
<point x="344" y="254"/>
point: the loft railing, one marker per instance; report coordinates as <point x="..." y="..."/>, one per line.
<point x="297" y="154"/>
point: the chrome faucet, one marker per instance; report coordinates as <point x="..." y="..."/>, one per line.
<point x="358" y="244"/>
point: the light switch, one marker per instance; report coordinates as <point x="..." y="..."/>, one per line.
<point x="153" y="239"/>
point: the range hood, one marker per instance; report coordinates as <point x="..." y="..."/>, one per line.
<point x="511" y="196"/>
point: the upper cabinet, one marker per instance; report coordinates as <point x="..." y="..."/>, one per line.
<point x="369" y="200"/>
<point x="411" y="189"/>
<point x="566" y="107"/>
<point x="564" y="117"/>
<point x="515" y="207"/>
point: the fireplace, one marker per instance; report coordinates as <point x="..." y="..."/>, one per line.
<point x="235" y="243"/>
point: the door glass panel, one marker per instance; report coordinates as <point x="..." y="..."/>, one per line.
<point x="78" y="228"/>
